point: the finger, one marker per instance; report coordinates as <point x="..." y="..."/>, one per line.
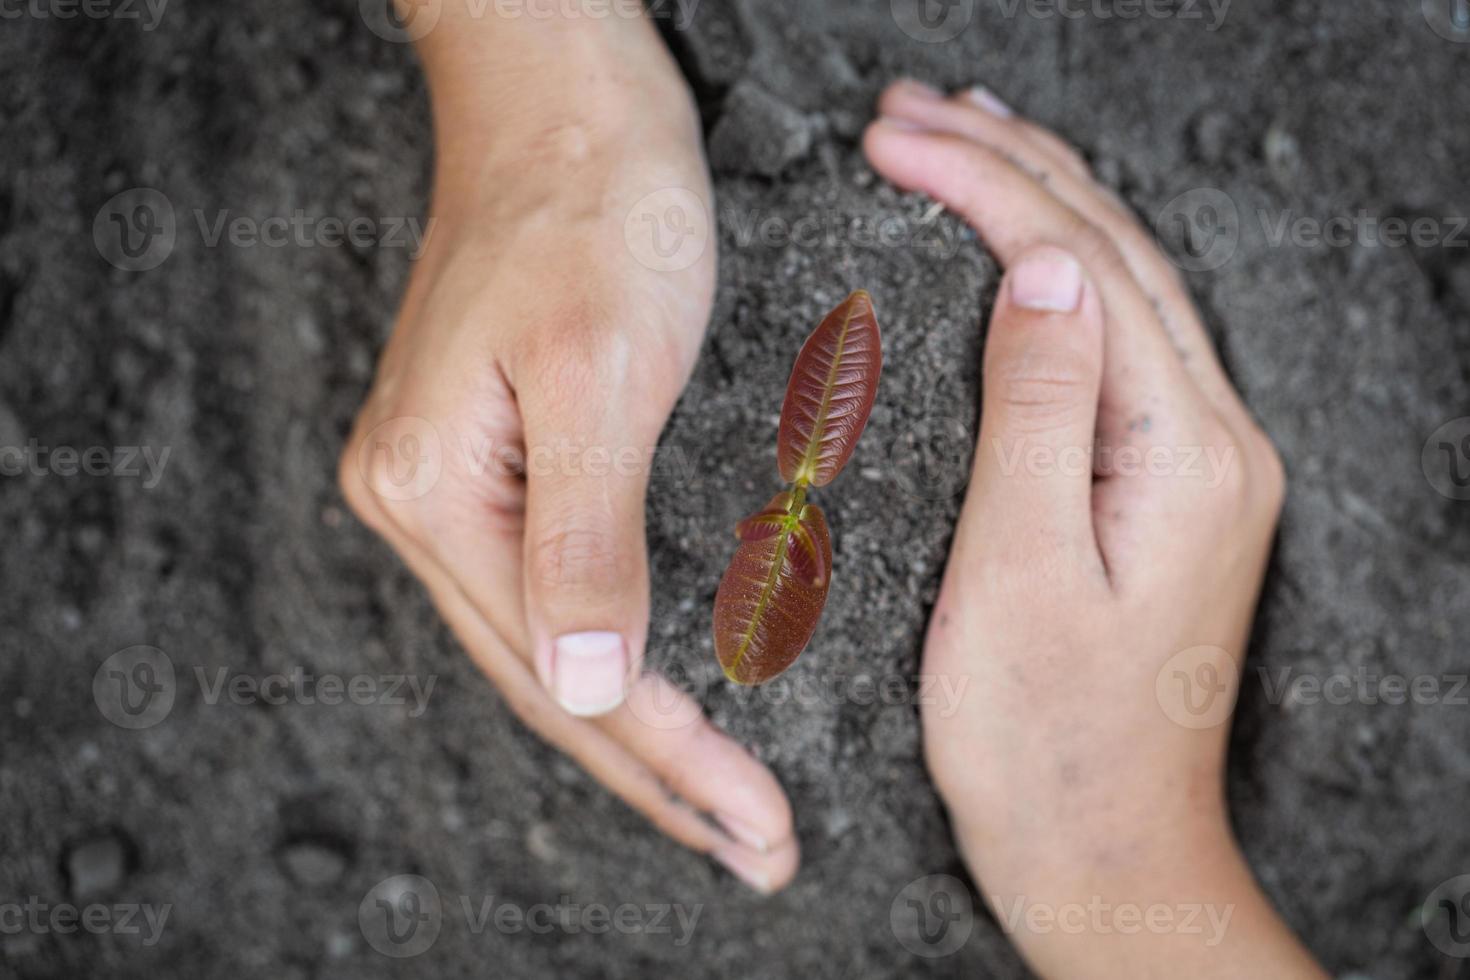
<point x="585" y="559"/>
<point x="701" y="765"/>
<point x="645" y="766"/>
<point x="976" y="113"/>
<point x="1147" y="397"/>
<point x="977" y="118"/>
<point x="1043" y="374"/>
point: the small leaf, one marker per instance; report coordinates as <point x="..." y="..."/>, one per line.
<point x="766" y="610"/>
<point x="804" y="554"/>
<point x="767" y="522"/>
<point x="830" y="393"/>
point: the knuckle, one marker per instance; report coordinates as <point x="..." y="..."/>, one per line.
<point x="1070" y="156"/>
<point x="1043" y="392"/>
<point x="579" y="559"/>
<point x="353" y="485"/>
<point x="1270" y="475"/>
<point x="1100" y="253"/>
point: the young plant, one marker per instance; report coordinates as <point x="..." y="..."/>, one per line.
<point x="773" y="592"/>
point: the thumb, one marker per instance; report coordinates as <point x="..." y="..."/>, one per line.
<point x="1043" y="373"/>
<point x="586" y="562"/>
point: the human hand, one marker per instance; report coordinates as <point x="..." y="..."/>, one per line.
<point x="532" y="333"/>
<point x="1118" y="523"/>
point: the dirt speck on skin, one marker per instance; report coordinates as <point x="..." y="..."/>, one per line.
<point x="264" y="828"/>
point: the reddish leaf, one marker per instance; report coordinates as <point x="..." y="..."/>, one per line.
<point x="768" y="604"/>
<point x="830" y="393"/>
<point x="805" y="554"/>
<point x="768" y="522"/>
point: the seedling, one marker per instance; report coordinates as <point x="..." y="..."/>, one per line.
<point x="773" y="592"/>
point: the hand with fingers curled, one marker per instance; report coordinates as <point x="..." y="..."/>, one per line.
<point x="1097" y="562"/>
<point x="503" y="450"/>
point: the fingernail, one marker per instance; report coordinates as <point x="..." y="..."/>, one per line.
<point x="904" y="124"/>
<point x="1049" y="281"/>
<point x="743" y="832"/>
<point x="921" y="89"/>
<point x="743" y="865"/>
<point x="589" y="672"/>
<point x="989" y="101"/>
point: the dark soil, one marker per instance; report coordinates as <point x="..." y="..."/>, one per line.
<point x="263" y="827"/>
